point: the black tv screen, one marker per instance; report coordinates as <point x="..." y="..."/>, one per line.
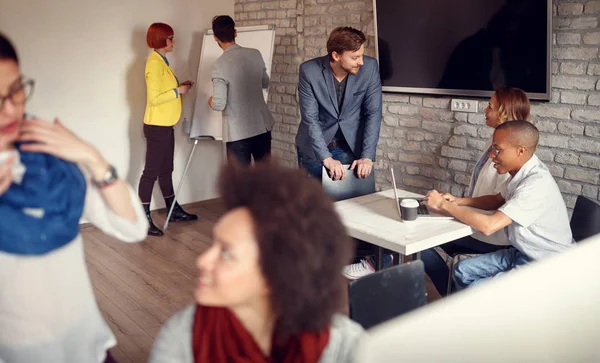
<point x="464" y="47"/>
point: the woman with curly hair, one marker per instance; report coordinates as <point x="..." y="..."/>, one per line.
<point x="270" y="284"/>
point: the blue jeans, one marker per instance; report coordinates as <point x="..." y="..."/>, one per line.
<point x="437" y="269"/>
<point x="342" y="153"/>
<point x="480" y="268"/>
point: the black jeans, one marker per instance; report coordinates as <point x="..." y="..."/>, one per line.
<point x="160" y="147"/>
<point x="436" y="267"/>
<point x="258" y="147"/>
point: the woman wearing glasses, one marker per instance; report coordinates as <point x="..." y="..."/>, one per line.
<point x="163" y="110"/>
<point x="507" y="104"/>
<point x="49" y="180"/>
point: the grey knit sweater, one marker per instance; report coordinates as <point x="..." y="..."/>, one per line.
<point x="174" y="341"/>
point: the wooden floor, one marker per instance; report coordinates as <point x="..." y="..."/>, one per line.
<point x="139" y="286"/>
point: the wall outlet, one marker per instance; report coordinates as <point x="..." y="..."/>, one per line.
<point x="463" y="105"/>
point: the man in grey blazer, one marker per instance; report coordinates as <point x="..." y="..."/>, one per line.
<point x="340" y="105"/>
<point x="239" y="76"/>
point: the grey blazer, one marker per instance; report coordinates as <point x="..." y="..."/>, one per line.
<point x="359" y="118"/>
<point x="174" y="341"/>
<point x="239" y="76"/>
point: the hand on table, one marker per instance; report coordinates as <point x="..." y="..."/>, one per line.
<point x="335" y="168"/>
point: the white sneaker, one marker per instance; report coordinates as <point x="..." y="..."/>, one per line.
<point x="358" y="270"/>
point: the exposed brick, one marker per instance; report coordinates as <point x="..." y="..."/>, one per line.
<point x="575" y="68"/>
<point x="390" y="120"/>
<point x="586" y="176"/>
<point x="466" y="130"/>
<point x="486" y="132"/>
<point x="415" y="136"/>
<point x="394" y="97"/>
<point x="556" y="171"/>
<point x="573" y="98"/>
<point x="586" y="115"/>
<point x="457" y="153"/>
<point x="461" y="116"/>
<point x="411" y="146"/>
<point x="568" y="38"/>
<point x="594" y="100"/>
<point x="545" y="125"/>
<point x="593" y="69"/>
<point x="569" y="187"/>
<point x="591" y="38"/>
<point x="457" y="165"/>
<point x="436" y="114"/>
<point x="476" y="144"/>
<point x="570" y="9"/>
<point x="476" y="118"/>
<point x="409" y="122"/>
<point x="554" y="141"/>
<point x="403" y="110"/>
<point x="462" y="178"/>
<point x="593" y="131"/>
<point x="565" y="157"/>
<point x="418" y="159"/>
<point x="415" y="100"/>
<point x="457" y="141"/>
<point x="590" y="161"/>
<point x="436" y="127"/>
<point x="545" y="155"/>
<point x="573" y="82"/>
<point x="569" y="128"/>
<point x="412" y="170"/>
<point x="436" y="102"/>
<point x="435" y="173"/>
<point x="418" y="182"/>
<point x="585" y="145"/>
<point x="592" y="7"/>
<point x="590" y="192"/>
<point x="550" y="111"/>
<point x="584" y="23"/>
<point x="575" y="53"/>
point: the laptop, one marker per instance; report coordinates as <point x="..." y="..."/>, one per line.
<point x="350" y="187"/>
<point x="422" y="211"/>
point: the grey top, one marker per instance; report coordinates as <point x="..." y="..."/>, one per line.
<point x="359" y="117"/>
<point x="239" y="76"/>
<point x="174" y="341"/>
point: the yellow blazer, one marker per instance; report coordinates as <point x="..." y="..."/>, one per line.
<point x="163" y="105"/>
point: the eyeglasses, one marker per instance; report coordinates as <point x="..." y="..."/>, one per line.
<point x="497" y="151"/>
<point x="171" y="37"/>
<point x="19" y="92"/>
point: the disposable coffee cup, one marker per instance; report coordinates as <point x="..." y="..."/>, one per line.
<point x="408" y="209"/>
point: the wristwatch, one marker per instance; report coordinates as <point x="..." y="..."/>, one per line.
<point x="109" y="177"/>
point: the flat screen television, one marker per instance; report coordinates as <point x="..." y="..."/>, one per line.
<point x="464" y="47"/>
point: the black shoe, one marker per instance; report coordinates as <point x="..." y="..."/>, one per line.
<point x="178" y="215"/>
<point x="152" y="230"/>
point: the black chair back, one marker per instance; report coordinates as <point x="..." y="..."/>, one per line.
<point x="585" y="221"/>
<point x="351" y="186"/>
<point x="388" y="293"/>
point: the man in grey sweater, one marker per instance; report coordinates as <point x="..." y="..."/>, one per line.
<point x="239" y="76"/>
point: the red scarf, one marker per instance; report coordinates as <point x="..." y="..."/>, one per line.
<point x="218" y="336"/>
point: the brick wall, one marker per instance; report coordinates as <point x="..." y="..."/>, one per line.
<point x="429" y="145"/>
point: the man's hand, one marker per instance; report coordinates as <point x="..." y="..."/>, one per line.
<point x="449" y="197"/>
<point x="365" y="166"/>
<point x="434" y="200"/>
<point x="335" y="168"/>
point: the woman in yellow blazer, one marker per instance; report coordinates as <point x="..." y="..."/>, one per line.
<point x="163" y="109"/>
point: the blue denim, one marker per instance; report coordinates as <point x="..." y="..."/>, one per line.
<point x="436" y="267"/>
<point x="343" y="154"/>
<point x="484" y="267"/>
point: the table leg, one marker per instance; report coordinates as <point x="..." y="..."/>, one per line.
<point x="418" y="255"/>
<point x="400" y="259"/>
<point x="378" y="258"/>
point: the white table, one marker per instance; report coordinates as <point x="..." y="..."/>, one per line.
<point x="374" y="218"/>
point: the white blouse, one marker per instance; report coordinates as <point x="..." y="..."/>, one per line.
<point x="48" y="312"/>
<point x="489" y="182"/>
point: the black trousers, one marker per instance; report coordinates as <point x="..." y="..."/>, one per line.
<point x="160" y="149"/>
<point x="257" y="147"/>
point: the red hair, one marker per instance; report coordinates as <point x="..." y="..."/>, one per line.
<point x="157" y="35"/>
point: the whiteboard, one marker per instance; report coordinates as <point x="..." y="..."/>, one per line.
<point x="206" y="123"/>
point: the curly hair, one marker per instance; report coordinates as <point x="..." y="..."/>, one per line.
<point x="303" y="245"/>
<point x="513" y="104"/>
